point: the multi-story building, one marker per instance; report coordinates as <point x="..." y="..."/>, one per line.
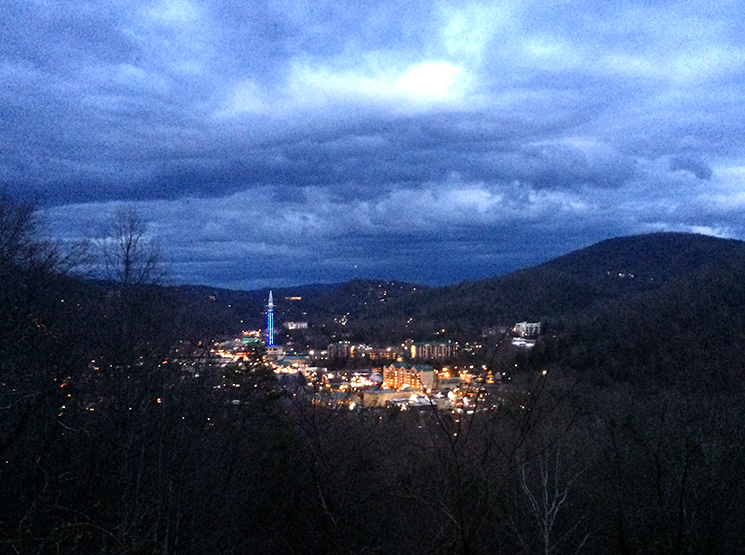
<point x="383" y="353"/>
<point x="430" y="350"/>
<point x="527" y="329"/>
<point x="345" y="349"/>
<point x="340" y="349"/>
<point x="398" y="375"/>
<point x="295" y="325"/>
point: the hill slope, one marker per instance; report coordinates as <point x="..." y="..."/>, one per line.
<point x="690" y="330"/>
<point x="569" y="285"/>
<point x="642" y="262"/>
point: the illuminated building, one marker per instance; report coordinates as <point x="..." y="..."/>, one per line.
<point x="430" y="350"/>
<point x="293" y="364"/>
<point x="522" y="342"/>
<point x="270" y="321"/>
<point x="340" y="349"/>
<point x="527" y="329"/>
<point x="345" y="349"/>
<point x="400" y="374"/>
<point x="384" y="353"/>
<point x="383" y="397"/>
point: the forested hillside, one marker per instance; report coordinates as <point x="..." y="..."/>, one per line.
<point x="565" y="287"/>
<point x="689" y="331"/>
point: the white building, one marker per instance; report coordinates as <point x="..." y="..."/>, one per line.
<point x="527" y="329"/>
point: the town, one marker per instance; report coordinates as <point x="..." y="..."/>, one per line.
<point x="412" y="375"/>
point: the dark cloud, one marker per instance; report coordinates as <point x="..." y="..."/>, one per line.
<point x="435" y="141"/>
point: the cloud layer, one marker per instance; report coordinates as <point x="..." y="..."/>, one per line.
<point x="293" y="142"/>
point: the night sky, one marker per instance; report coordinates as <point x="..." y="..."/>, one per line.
<point x="289" y="142"/>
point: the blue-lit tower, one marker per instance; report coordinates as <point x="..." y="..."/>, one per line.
<point x="270" y="321"/>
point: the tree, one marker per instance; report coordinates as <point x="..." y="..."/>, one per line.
<point x="17" y="229"/>
<point x="545" y="482"/>
<point x="132" y="261"/>
<point x="131" y="256"/>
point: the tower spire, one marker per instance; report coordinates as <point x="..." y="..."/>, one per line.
<point x="270" y="321"/>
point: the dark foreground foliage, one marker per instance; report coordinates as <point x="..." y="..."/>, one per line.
<point x="174" y="464"/>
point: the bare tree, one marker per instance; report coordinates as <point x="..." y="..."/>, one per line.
<point x="545" y="482"/>
<point x="131" y="256"/>
<point x="132" y="261"/>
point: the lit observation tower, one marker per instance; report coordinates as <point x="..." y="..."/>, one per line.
<point x="270" y="321"/>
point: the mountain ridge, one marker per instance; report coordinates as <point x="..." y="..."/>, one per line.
<point x="570" y="284"/>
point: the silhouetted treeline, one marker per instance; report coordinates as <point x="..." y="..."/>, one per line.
<point x="559" y="467"/>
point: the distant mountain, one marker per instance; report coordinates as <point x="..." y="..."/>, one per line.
<point x="321" y="304"/>
<point x="691" y="330"/>
<point x="571" y="287"/>
<point x="566" y="285"/>
<point x="642" y="262"/>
